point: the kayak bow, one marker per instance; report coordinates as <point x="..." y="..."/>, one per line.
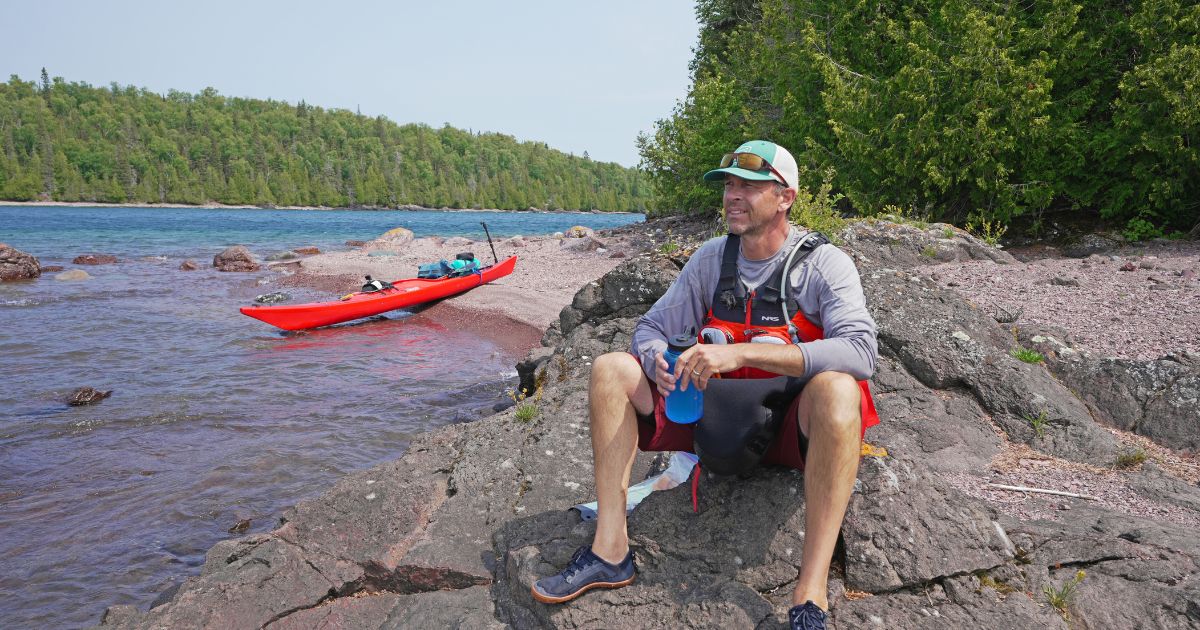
<point x="402" y="294"/>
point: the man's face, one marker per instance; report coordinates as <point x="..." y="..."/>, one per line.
<point x="752" y="206"/>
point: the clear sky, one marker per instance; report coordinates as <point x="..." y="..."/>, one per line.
<point x="580" y="76"/>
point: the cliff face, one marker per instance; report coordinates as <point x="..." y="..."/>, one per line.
<point x="453" y="533"/>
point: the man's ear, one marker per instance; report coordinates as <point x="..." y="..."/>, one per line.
<point x="788" y="196"/>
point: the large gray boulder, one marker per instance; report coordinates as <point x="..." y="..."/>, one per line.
<point x="1159" y="398"/>
<point x="17" y="265"/>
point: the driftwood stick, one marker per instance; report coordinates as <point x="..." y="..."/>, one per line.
<point x="1042" y="491"/>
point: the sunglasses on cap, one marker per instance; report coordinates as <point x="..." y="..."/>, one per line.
<point x="751" y="162"/>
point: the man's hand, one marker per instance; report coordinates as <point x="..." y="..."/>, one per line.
<point x="700" y="362"/>
<point x="663" y="377"/>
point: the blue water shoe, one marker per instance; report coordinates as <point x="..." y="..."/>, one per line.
<point x="585" y="572"/>
<point x="807" y="616"/>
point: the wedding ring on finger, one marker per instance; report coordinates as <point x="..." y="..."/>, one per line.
<point x="696" y="372"/>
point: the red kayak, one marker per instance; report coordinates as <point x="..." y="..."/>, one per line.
<point x="402" y="293"/>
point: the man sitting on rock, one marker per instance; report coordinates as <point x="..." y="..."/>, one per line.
<point x="820" y="333"/>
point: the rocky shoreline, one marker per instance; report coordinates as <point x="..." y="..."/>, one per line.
<point x="452" y="533"/>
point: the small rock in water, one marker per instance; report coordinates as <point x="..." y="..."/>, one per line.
<point x="355" y="243"/>
<point x="188" y="265"/>
<point x="73" y="274"/>
<point x="240" y="527"/>
<point x="94" y="259"/>
<point x="87" y="396"/>
<point x="272" y="298"/>
<point x="235" y="258"/>
<point x="307" y="251"/>
<point x="52" y="268"/>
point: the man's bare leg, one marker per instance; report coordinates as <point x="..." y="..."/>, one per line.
<point x="830" y="416"/>
<point x="617" y="391"/>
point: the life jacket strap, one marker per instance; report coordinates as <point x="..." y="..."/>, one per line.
<point x="732" y="293"/>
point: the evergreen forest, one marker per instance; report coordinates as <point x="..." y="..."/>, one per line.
<point x="67" y="141"/>
<point x="1075" y="111"/>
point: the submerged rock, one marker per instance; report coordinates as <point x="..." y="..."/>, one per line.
<point x="72" y="275"/>
<point x="236" y="258"/>
<point x="17" y="265"/>
<point x="188" y="265"/>
<point x="87" y="396"/>
<point x="272" y="298"/>
<point x="94" y="259"/>
<point x="307" y="251"/>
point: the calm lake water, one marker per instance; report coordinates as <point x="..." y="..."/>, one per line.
<point x="214" y="417"/>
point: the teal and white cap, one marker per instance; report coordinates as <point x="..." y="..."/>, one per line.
<point x="775" y="155"/>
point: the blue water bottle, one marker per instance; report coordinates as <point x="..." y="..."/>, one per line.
<point x="684" y="406"/>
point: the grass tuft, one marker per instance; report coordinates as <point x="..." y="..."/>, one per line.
<point x="1060" y="598"/>
<point x="526" y="411"/>
<point x="1038" y="423"/>
<point x="1027" y="355"/>
<point x="1131" y="459"/>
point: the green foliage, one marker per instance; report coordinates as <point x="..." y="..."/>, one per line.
<point x="1000" y="586"/>
<point x="988" y="231"/>
<point x="1038" y="423"/>
<point x="526" y="411"/>
<point x="929" y="251"/>
<point x="1131" y="459"/>
<point x="818" y="211"/>
<point x="1027" y="355"/>
<point x="74" y="142"/>
<point x="984" y="109"/>
<point x="1060" y="598"/>
<point x="1139" y="229"/>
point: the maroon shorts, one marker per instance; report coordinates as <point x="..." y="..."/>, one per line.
<point x="657" y="433"/>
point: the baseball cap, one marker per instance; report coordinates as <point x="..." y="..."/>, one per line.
<point x="775" y="155"/>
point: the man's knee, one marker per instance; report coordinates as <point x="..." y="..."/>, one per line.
<point x="831" y="400"/>
<point x="619" y="374"/>
<point x="615" y="367"/>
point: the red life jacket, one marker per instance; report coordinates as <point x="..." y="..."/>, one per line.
<point x="741" y="317"/>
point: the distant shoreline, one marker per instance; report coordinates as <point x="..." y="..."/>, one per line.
<point x="221" y="206"/>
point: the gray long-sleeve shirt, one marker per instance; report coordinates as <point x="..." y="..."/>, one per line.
<point x="826" y="286"/>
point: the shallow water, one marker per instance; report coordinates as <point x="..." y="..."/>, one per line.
<point x="214" y="417"/>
